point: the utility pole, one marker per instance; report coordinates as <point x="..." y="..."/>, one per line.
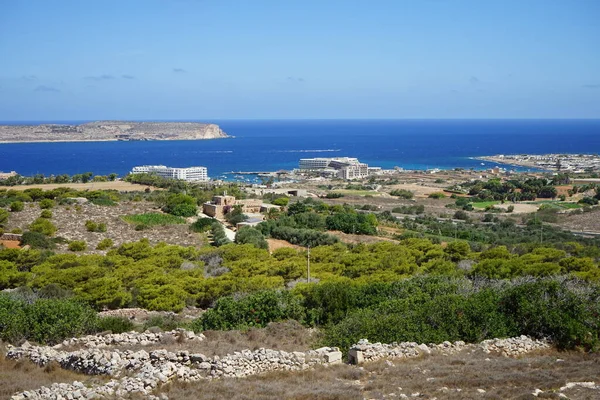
<point x="308" y="265"/>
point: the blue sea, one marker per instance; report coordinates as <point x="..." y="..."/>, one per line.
<point x="262" y="145"/>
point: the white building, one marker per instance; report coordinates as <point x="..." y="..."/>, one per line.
<point x="191" y="174"/>
<point x="343" y="167"/>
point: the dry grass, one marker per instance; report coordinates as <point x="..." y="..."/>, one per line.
<point x="275" y="244"/>
<point x="288" y="336"/>
<point x="457" y="376"/>
<point x="318" y="384"/>
<point x="17" y="376"/>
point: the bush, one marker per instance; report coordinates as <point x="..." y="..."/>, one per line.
<point x="180" y="205"/>
<point x="334" y="195"/>
<point x="92" y="226"/>
<point x="235" y="216"/>
<point x="104" y="244"/>
<point x="153" y="219"/>
<point x="281" y="201"/>
<point x="437" y="195"/>
<point x="402" y="193"/>
<point x="46" y="203"/>
<point x="47" y="321"/>
<point x="36" y="240"/>
<point x="16" y="206"/>
<point x="46" y="214"/>
<point x="202" y="225"/>
<point x="77" y="245"/>
<point x="3" y="216"/>
<point x="43" y="226"/>
<point x="219" y="238"/>
<point x="460" y="214"/>
<point x="165" y="323"/>
<point x="255" y="310"/>
<point x="249" y="235"/>
<point x="114" y="324"/>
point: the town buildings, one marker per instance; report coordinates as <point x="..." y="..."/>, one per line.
<point x="190" y="174"/>
<point x="341" y="167"/>
<point x="221" y="205"/>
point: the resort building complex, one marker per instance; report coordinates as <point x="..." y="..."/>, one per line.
<point x="342" y="167"/>
<point x="191" y="174"/>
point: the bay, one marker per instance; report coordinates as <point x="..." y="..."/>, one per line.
<point x="263" y="145"/>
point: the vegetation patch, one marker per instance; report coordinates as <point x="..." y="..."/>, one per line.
<point x="153" y="219"/>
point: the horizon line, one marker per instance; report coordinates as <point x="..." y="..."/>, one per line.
<point x="207" y="120"/>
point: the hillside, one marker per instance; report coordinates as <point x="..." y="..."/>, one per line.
<point x="110" y="130"/>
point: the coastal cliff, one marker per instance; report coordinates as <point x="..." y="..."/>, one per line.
<point x="110" y="130"/>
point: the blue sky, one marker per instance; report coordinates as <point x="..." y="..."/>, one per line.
<point x="220" y="59"/>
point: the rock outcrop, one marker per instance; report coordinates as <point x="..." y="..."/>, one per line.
<point x="110" y="130"/>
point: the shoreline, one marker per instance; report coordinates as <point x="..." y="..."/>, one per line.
<point x="494" y="159"/>
<point x="105" y="140"/>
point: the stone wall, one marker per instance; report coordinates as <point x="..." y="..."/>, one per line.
<point x="135" y="373"/>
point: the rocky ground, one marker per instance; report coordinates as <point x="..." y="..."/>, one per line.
<point x="71" y="219"/>
<point x="493" y="369"/>
<point x="588" y="221"/>
<point x="110" y="130"/>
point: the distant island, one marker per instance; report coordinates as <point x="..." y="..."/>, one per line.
<point x="110" y="131"/>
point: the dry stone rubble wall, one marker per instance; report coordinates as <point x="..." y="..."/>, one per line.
<point x="140" y="372"/>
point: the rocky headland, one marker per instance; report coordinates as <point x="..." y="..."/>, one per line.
<point x="110" y="131"/>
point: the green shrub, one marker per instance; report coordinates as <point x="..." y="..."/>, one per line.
<point x="437" y="195"/>
<point x="334" y="195"/>
<point x="92" y="226"/>
<point x="104" y="244"/>
<point x="281" y="201"/>
<point x="181" y="205"/>
<point x="44" y="321"/>
<point x="44" y="226"/>
<point x="114" y="324"/>
<point x="249" y="235"/>
<point x="36" y="240"/>
<point x="3" y="216"/>
<point x="77" y="245"/>
<point x="202" y="225"/>
<point x="46" y="214"/>
<point x="257" y="310"/>
<point x="46" y="203"/>
<point x="153" y="219"/>
<point x="166" y="323"/>
<point x="402" y="193"/>
<point x="16" y="206"/>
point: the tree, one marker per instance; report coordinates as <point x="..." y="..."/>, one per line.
<point x="85" y="177"/>
<point x="249" y="235"/>
<point x="181" y="205"/>
<point x="218" y="235"/>
<point x="235" y="216"/>
<point x="112" y="177"/>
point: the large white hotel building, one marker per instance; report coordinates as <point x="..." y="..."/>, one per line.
<point x="342" y="167"/>
<point x="191" y="174"/>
